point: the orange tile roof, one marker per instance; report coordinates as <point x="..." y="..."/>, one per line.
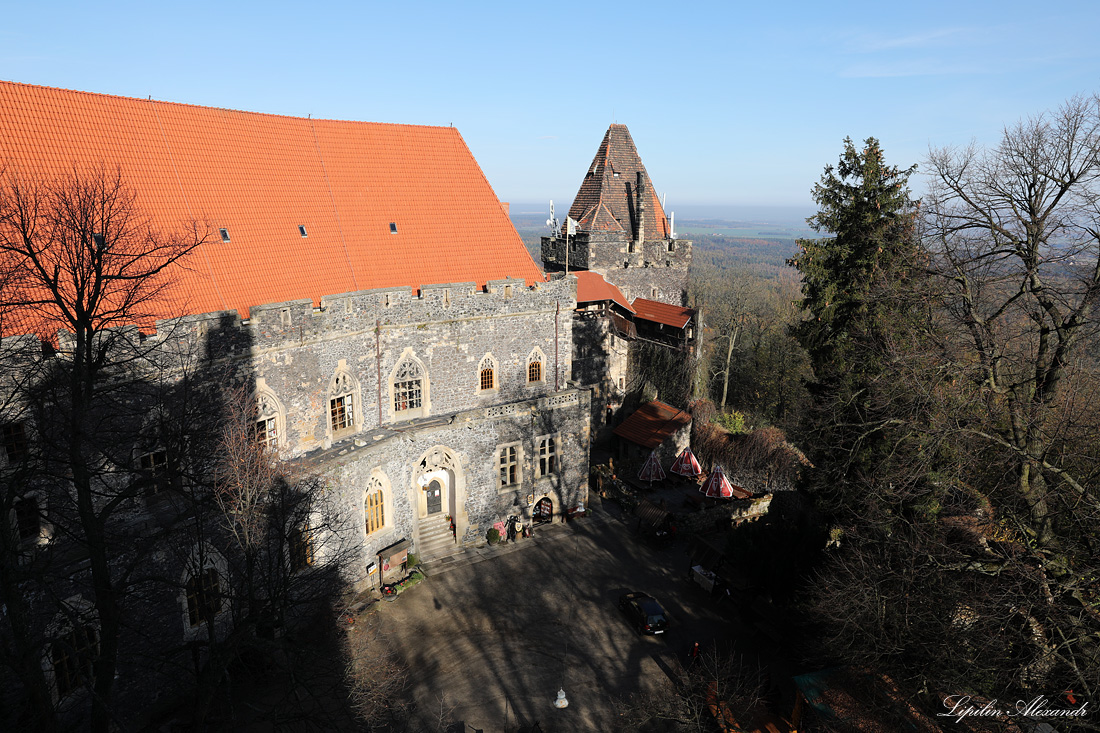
<point x="605" y="200"/>
<point x="670" y="315"/>
<point x="652" y="424"/>
<point x="591" y="287"/>
<point x="261" y="176"/>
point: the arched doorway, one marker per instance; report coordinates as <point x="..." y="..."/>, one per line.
<point x="543" y="511"/>
<point x="433" y="495"/>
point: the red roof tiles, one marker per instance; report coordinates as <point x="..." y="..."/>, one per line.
<point x="592" y="287"/>
<point x="262" y="176"/>
<point x="652" y="424"/>
<point x="670" y="315"/>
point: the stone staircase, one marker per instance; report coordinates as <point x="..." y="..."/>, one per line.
<point x="436" y="540"/>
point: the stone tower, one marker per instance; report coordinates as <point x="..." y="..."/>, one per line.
<point x="622" y="232"/>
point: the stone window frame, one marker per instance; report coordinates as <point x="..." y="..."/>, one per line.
<point x="377" y="486"/>
<point x="509" y="456"/>
<point x="44" y="532"/>
<point x="344" y="400"/>
<point x="408" y="369"/>
<point x="15" y="441"/>
<point x="76" y="613"/>
<point x="301" y="546"/>
<point x="157" y="470"/>
<point x="488" y="374"/>
<point x="270" y="426"/>
<point x="536" y="358"/>
<point x="547" y="458"/>
<point x="200" y="564"/>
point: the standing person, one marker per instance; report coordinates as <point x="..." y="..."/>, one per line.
<point x="511" y="529"/>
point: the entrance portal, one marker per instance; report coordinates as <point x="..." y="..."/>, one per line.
<point x="544" y="511"/>
<point x="434" y="495"/>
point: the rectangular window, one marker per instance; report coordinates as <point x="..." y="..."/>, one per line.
<point x="406" y="395"/>
<point x="204" y="598"/>
<point x="224" y="234"/>
<point x="154" y="468"/>
<point x="548" y="455"/>
<point x="28" y="520"/>
<point x="72" y="656"/>
<point x="15" y="442"/>
<point x="341" y="413"/>
<point x="375" y="510"/>
<point x="301" y="548"/>
<point x="267" y="433"/>
<point x="509" y="465"/>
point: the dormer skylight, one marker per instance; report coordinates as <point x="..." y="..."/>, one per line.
<point x="225" y="234"/>
<point x="393" y="227"/>
<point x="302" y="230"/>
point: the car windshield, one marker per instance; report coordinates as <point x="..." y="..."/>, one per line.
<point x="650" y="607"/>
<point x="655" y="620"/>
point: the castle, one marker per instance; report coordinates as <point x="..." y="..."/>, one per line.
<point x="364" y="285"/>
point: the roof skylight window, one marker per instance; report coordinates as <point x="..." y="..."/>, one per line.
<point x="225" y="234"/>
<point x="302" y="230"/>
<point x="393" y="227"/>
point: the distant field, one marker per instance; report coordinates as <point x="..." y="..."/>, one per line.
<point x="752" y="231"/>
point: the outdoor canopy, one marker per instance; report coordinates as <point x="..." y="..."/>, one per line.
<point x="717" y="485"/>
<point x="652" y="470"/>
<point x="686" y="465"/>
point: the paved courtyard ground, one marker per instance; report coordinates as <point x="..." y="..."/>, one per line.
<point x="495" y="633"/>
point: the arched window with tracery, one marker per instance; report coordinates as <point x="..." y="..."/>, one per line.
<point x="341" y="404"/>
<point x="374" y="507"/>
<point x="487" y="373"/>
<point x="408" y="389"/>
<point x="534" y="367"/>
<point x="267" y="421"/>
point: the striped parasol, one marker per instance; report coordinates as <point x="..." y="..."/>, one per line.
<point x="652" y="470"/>
<point x="686" y="465"/>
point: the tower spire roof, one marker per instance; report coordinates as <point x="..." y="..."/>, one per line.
<point x="608" y="197"/>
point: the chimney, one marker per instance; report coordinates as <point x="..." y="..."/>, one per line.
<point x="639" y="190"/>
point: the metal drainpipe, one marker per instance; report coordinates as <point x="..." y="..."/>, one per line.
<point x="378" y="359"/>
<point x="557" y="311"/>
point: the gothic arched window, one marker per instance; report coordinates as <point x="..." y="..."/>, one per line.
<point x="408" y="387"/>
<point x="487" y="373"/>
<point x="341" y="404"/>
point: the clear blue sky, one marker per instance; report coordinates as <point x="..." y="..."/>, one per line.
<point x="730" y="103"/>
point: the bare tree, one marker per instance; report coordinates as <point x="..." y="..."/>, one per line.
<point x="88" y="265"/>
<point x="1015" y="236"/>
<point x="715" y="688"/>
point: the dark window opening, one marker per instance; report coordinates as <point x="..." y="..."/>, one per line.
<point x="15" y="442"/>
<point x="302" y="230"/>
<point x="27" y="519"/>
<point x="393" y="227"/>
<point x="72" y="656"/>
<point x="204" y="599"/>
<point x="225" y="234"/>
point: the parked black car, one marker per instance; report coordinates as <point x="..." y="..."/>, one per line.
<point x="644" y="613"/>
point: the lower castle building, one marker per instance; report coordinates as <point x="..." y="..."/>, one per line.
<point x="363" y="287"/>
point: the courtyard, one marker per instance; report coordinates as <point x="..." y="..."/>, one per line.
<point x="492" y="635"/>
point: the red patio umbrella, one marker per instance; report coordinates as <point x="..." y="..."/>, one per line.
<point x="717" y="485"/>
<point x="686" y="465"/>
<point x="652" y="470"/>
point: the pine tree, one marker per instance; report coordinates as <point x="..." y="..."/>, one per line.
<point x="854" y="286"/>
